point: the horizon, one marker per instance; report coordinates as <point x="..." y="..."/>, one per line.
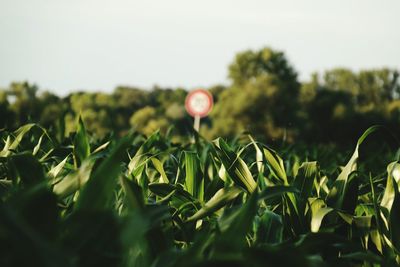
<point x="100" y="45"/>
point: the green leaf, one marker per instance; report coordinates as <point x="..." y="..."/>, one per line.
<point x="336" y="195"/>
<point x="137" y="163"/>
<point x="73" y="181"/>
<point x="178" y="196"/>
<point x="304" y="181"/>
<point x="366" y="256"/>
<point x="270" y="228"/>
<point x="219" y="200"/>
<point x="98" y="191"/>
<point x="20" y="133"/>
<point x="133" y="193"/>
<point x="363" y="224"/>
<point x="37" y="147"/>
<point x="31" y="221"/>
<point x="159" y="167"/>
<point x="307" y="174"/>
<point x="276" y="191"/>
<point x="194" y="181"/>
<point x="275" y="164"/>
<point x="101" y="147"/>
<point x="234" y="236"/>
<point x="350" y="196"/>
<point x="28" y="168"/>
<point x="318" y="211"/>
<point x="390" y="205"/>
<point x="81" y="143"/>
<point x="235" y="166"/>
<point x="389" y="193"/>
<point x="6" y="147"/>
<point x="53" y="172"/>
<point x="259" y="155"/>
<point x="317" y="218"/>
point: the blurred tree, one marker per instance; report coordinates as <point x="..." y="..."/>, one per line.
<point x="175" y="111"/>
<point x="340" y="79"/>
<point x="308" y="90"/>
<point x="329" y="117"/>
<point x="162" y="98"/>
<point x="6" y="115"/>
<point x="249" y="65"/>
<point x="378" y="86"/>
<point x="216" y="91"/>
<point x="369" y="88"/>
<point x="146" y="121"/>
<point x="130" y="98"/>
<point x="25" y="105"/>
<point x="127" y="101"/>
<point x="97" y="110"/>
<point x="254" y="107"/>
<point x="52" y="108"/>
<point x="263" y="97"/>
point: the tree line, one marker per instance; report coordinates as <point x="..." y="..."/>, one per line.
<point x="264" y="97"/>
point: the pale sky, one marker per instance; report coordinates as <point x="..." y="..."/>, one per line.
<point x="66" y="45"/>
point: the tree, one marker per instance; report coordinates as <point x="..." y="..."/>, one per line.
<point x="249" y="65"/>
<point x="146" y="121"/>
<point x="6" y="115"/>
<point x="262" y="99"/>
<point x="330" y="117"/>
<point x="370" y="88"/>
<point x="341" y="79"/>
<point x="52" y="109"/>
<point x="97" y="109"/>
<point x="255" y="107"/>
<point x="378" y="86"/>
<point x="26" y="105"/>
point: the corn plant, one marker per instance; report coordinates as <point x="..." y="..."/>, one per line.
<point x="145" y="201"/>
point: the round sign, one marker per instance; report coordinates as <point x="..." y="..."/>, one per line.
<point x="199" y="103"/>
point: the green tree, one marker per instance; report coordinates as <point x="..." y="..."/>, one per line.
<point x="6" y="115"/>
<point x="262" y="99"/>
<point x="147" y="120"/>
<point x="52" y="109"/>
<point x="370" y="88"/>
<point x="97" y="109"/>
<point x="255" y="107"/>
<point x="249" y="65"/>
<point x="26" y="106"/>
<point x="341" y="79"/>
<point x="379" y="86"/>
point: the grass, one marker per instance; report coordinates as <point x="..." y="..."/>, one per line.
<point x="138" y="201"/>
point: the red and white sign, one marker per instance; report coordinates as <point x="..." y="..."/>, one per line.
<point x="199" y="103"/>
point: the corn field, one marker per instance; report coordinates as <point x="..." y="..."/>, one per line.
<point x="146" y="201"/>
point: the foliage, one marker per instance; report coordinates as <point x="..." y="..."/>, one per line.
<point x="264" y="97"/>
<point x="146" y="201"/>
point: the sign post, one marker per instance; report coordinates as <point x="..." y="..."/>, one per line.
<point x="196" y="125"/>
<point x="198" y="104"/>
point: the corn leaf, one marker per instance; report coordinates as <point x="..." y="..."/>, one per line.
<point x="235" y="166"/>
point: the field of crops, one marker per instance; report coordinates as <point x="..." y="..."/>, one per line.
<point x="138" y="201"/>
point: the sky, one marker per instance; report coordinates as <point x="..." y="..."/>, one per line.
<point x="96" y="45"/>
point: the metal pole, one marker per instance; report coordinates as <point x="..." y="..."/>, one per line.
<point x="197" y="123"/>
